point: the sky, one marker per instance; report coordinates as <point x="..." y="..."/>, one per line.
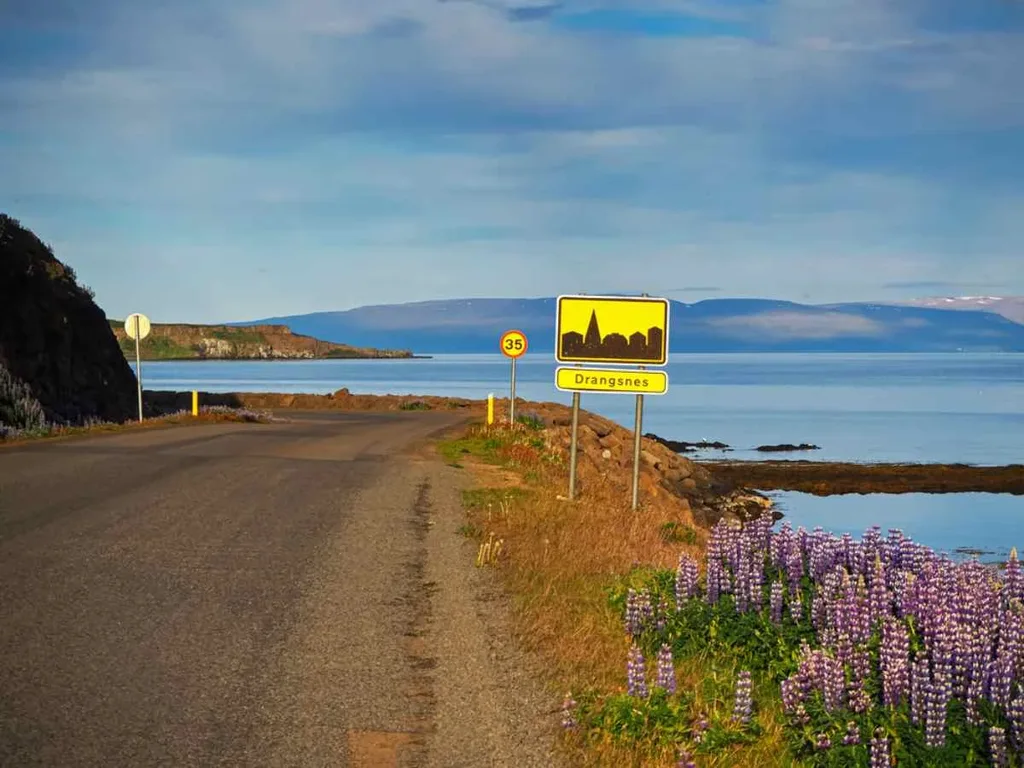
<point x="216" y="160"/>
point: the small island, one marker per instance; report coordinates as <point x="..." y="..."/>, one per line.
<point x="173" y="341"/>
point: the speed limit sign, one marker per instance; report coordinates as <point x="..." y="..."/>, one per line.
<point x="513" y="344"/>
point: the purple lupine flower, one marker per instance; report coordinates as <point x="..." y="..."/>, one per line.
<point x="756" y="580"/>
<point x="1001" y="681"/>
<point x="1011" y="631"/>
<point x="636" y="674"/>
<point x="743" y="702"/>
<point x="666" y="669"/>
<point x="852" y="735"/>
<point x="639" y="611"/>
<point x="686" y="579"/>
<point x="569" y="712"/>
<point x="775" y="601"/>
<point x="792" y="694"/>
<point x="859" y="698"/>
<point x="632" y="617"/>
<point x="920" y="682"/>
<point x="975" y="692"/>
<point x="800" y="716"/>
<point x="833" y="684"/>
<point x="714" y="579"/>
<point x="662" y="614"/>
<point x="700" y="726"/>
<point x="997" y="746"/>
<point x="684" y="760"/>
<point x="794" y="566"/>
<point x="880" y="749"/>
<point x="1015" y="714"/>
<point x="937" y="697"/>
<point x="742" y="572"/>
<point x="843" y="649"/>
<point x="822" y="741"/>
<point x="1013" y="578"/>
<point x="880" y="600"/>
<point x="894" y="662"/>
<point x="796" y="607"/>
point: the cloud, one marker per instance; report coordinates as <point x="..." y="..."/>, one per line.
<point x="837" y="147"/>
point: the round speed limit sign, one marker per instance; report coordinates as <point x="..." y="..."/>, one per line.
<point x="513" y="344"/>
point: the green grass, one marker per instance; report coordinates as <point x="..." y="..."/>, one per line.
<point x="415" y="405"/>
<point x="531" y="422"/>
<point x="157" y="348"/>
<point x="238" y="336"/>
<point x="678" y="533"/>
<point x="479" y="446"/>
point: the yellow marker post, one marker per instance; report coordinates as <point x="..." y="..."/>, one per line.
<point x="490" y="409"/>
<point x="195" y="403"/>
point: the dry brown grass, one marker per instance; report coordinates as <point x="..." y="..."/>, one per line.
<point x="560" y="557"/>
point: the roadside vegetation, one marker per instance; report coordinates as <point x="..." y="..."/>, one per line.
<point x="751" y="645"/>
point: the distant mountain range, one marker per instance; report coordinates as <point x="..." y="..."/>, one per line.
<point x="714" y="325"/>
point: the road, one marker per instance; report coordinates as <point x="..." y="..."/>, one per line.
<point x="286" y="594"/>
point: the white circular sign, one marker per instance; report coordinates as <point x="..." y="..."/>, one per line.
<point x="136" y="326"/>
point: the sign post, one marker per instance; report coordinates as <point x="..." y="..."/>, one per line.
<point x="638" y="425"/>
<point x="137" y="326"/>
<point x="513" y="346"/>
<point x="572" y="444"/>
<point x="613" y="330"/>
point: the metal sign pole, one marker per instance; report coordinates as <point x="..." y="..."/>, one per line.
<point x="637" y="431"/>
<point x="512" y="402"/>
<point x="572" y="444"/>
<point x="138" y="363"/>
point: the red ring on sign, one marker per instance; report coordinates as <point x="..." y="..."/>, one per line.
<point x="513" y="344"/>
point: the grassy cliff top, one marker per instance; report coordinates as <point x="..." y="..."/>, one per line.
<point x="189" y="341"/>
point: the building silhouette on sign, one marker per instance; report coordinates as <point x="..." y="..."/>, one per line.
<point x="614" y="346"/>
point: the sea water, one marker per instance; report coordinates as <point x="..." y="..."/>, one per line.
<point x="858" y="407"/>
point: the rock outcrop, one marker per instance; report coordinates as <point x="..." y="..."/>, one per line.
<point x="605" y="450"/>
<point x="54" y="339"/>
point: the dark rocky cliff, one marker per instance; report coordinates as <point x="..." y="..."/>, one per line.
<point x="53" y="336"/>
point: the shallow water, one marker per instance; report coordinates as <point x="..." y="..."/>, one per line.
<point x="989" y="524"/>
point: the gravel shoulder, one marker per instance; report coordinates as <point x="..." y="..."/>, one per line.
<point x="490" y="708"/>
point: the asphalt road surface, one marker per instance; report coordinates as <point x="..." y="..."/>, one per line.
<point x="287" y="594"/>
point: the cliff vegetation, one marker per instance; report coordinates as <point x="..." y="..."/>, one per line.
<point x="229" y="342"/>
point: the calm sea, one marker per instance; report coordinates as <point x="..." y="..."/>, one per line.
<point x="857" y="407"/>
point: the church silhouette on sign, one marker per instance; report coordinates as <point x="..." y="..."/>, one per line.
<point x="614" y="346"/>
